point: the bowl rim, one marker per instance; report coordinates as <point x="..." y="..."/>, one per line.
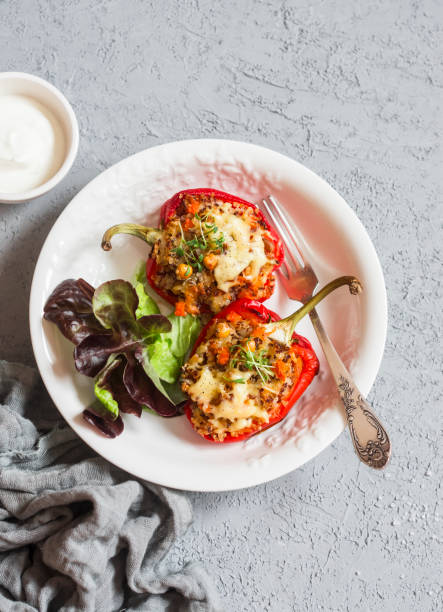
<point x="71" y="153"/>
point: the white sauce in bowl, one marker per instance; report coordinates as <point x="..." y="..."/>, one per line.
<point x="32" y="144"/>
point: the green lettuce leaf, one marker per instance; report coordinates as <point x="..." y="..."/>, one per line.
<point x="172" y="391"/>
<point x="160" y="344"/>
<point x="167" y="354"/>
<point x="146" y="304"/>
<point x="183" y="334"/>
<point x="102" y="389"/>
<point x="163" y="360"/>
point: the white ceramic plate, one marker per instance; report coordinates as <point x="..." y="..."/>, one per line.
<point x="167" y="451"/>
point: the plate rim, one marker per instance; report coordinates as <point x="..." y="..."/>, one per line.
<point x="317" y="183"/>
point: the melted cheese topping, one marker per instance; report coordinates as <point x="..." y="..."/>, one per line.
<point x="205" y="388"/>
<point x="244" y="403"/>
<point x="244" y="248"/>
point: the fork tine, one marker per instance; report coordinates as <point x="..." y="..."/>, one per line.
<point x="284" y="281"/>
<point x="285" y="269"/>
<point x="285" y="235"/>
<point x="296" y="239"/>
<point x="301" y="282"/>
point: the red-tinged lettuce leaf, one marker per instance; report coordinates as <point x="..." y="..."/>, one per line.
<point x="162" y="406"/>
<point x="165" y="408"/>
<point x="111" y="391"/>
<point x="70" y="307"/>
<point x="123" y="386"/>
<point x="142" y="390"/>
<point x="137" y="384"/>
<point x="114" y="304"/>
<point x="111" y="343"/>
<point x="171" y="391"/>
<point x="91" y="355"/>
<point x="111" y="429"/>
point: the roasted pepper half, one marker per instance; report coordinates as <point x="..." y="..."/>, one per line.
<point x="212" y="248"/>
<point x="248" y="368"/>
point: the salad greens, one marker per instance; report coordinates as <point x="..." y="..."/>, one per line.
<point x="146" y="305"/>
<point x="114" y="304"/>
<point x="110" y="390"/>
<point x="167" y="353"/>
<point x="70" y="307"/>
<point x="121" y="339"/>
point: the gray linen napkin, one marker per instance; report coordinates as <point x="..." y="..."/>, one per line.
<point x="77" y="533"/>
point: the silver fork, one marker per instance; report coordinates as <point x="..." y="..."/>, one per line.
<point x="371" y="442"/>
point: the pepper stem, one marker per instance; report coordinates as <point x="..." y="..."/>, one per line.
<point x="147" y="234"/>
<point x="284" y="329"/>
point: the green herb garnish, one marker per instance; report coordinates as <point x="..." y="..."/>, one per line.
<point x="252" y="361"/>
<point x="241" y="381"/>
<point x="193" y="250"/>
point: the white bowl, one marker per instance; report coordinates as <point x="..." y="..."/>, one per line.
<point x="20" y="83"/>
<point x="168" y="451"/>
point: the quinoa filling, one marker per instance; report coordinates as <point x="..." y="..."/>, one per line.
<point x="238" y="378"/>
<point x="211" y="253"/>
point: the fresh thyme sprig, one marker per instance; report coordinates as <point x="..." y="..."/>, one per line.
<point x="192" y="250"/>
<point x="241" y="381"/>
<point x="253" y="361"/>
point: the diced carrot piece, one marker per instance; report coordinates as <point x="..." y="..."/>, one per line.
<point x="258" y="332"/>
<point x="233" y="316"/>
<point x="188" y="223"/>
<point x="180" y="309"/>
<point x="223" y="356"/>
<point x="190" y="300"/>
<point x="280" y="369"/>
<point x="223" y="330"/>
<point x="192" y="205"/>
<point x="250" y="346"/>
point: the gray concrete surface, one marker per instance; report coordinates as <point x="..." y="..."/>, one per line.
<point x="353" y="90"/>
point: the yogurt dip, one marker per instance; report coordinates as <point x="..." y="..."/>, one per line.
<point x="32" y="144"/>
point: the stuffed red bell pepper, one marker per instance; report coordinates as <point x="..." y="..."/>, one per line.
<point x="248" y="368"/>
<point x="212" y="248"/>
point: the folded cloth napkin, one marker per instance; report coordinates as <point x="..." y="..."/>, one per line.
<point x="77" y="533"/>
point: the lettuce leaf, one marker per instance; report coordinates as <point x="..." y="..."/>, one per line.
<point x="134" y="352"/>
<point x="165" y="356"/>
<point x="106" y="398"/>
<point x="144" y="342"/>
<point x="111" y="390"/>
<point x="146" y="304"/>
<point x="111" y="429"/>
<point x="163" y="360"/>
<point x="70" y="307"/>
<point x="183" y="334"/>
<point x="114" y="304"/>
<point x="171" y="391"/>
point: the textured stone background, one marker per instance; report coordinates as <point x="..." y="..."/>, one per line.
<point x="352" y="90"/>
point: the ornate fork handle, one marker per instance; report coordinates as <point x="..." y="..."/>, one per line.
<point x="371" y="442"/>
